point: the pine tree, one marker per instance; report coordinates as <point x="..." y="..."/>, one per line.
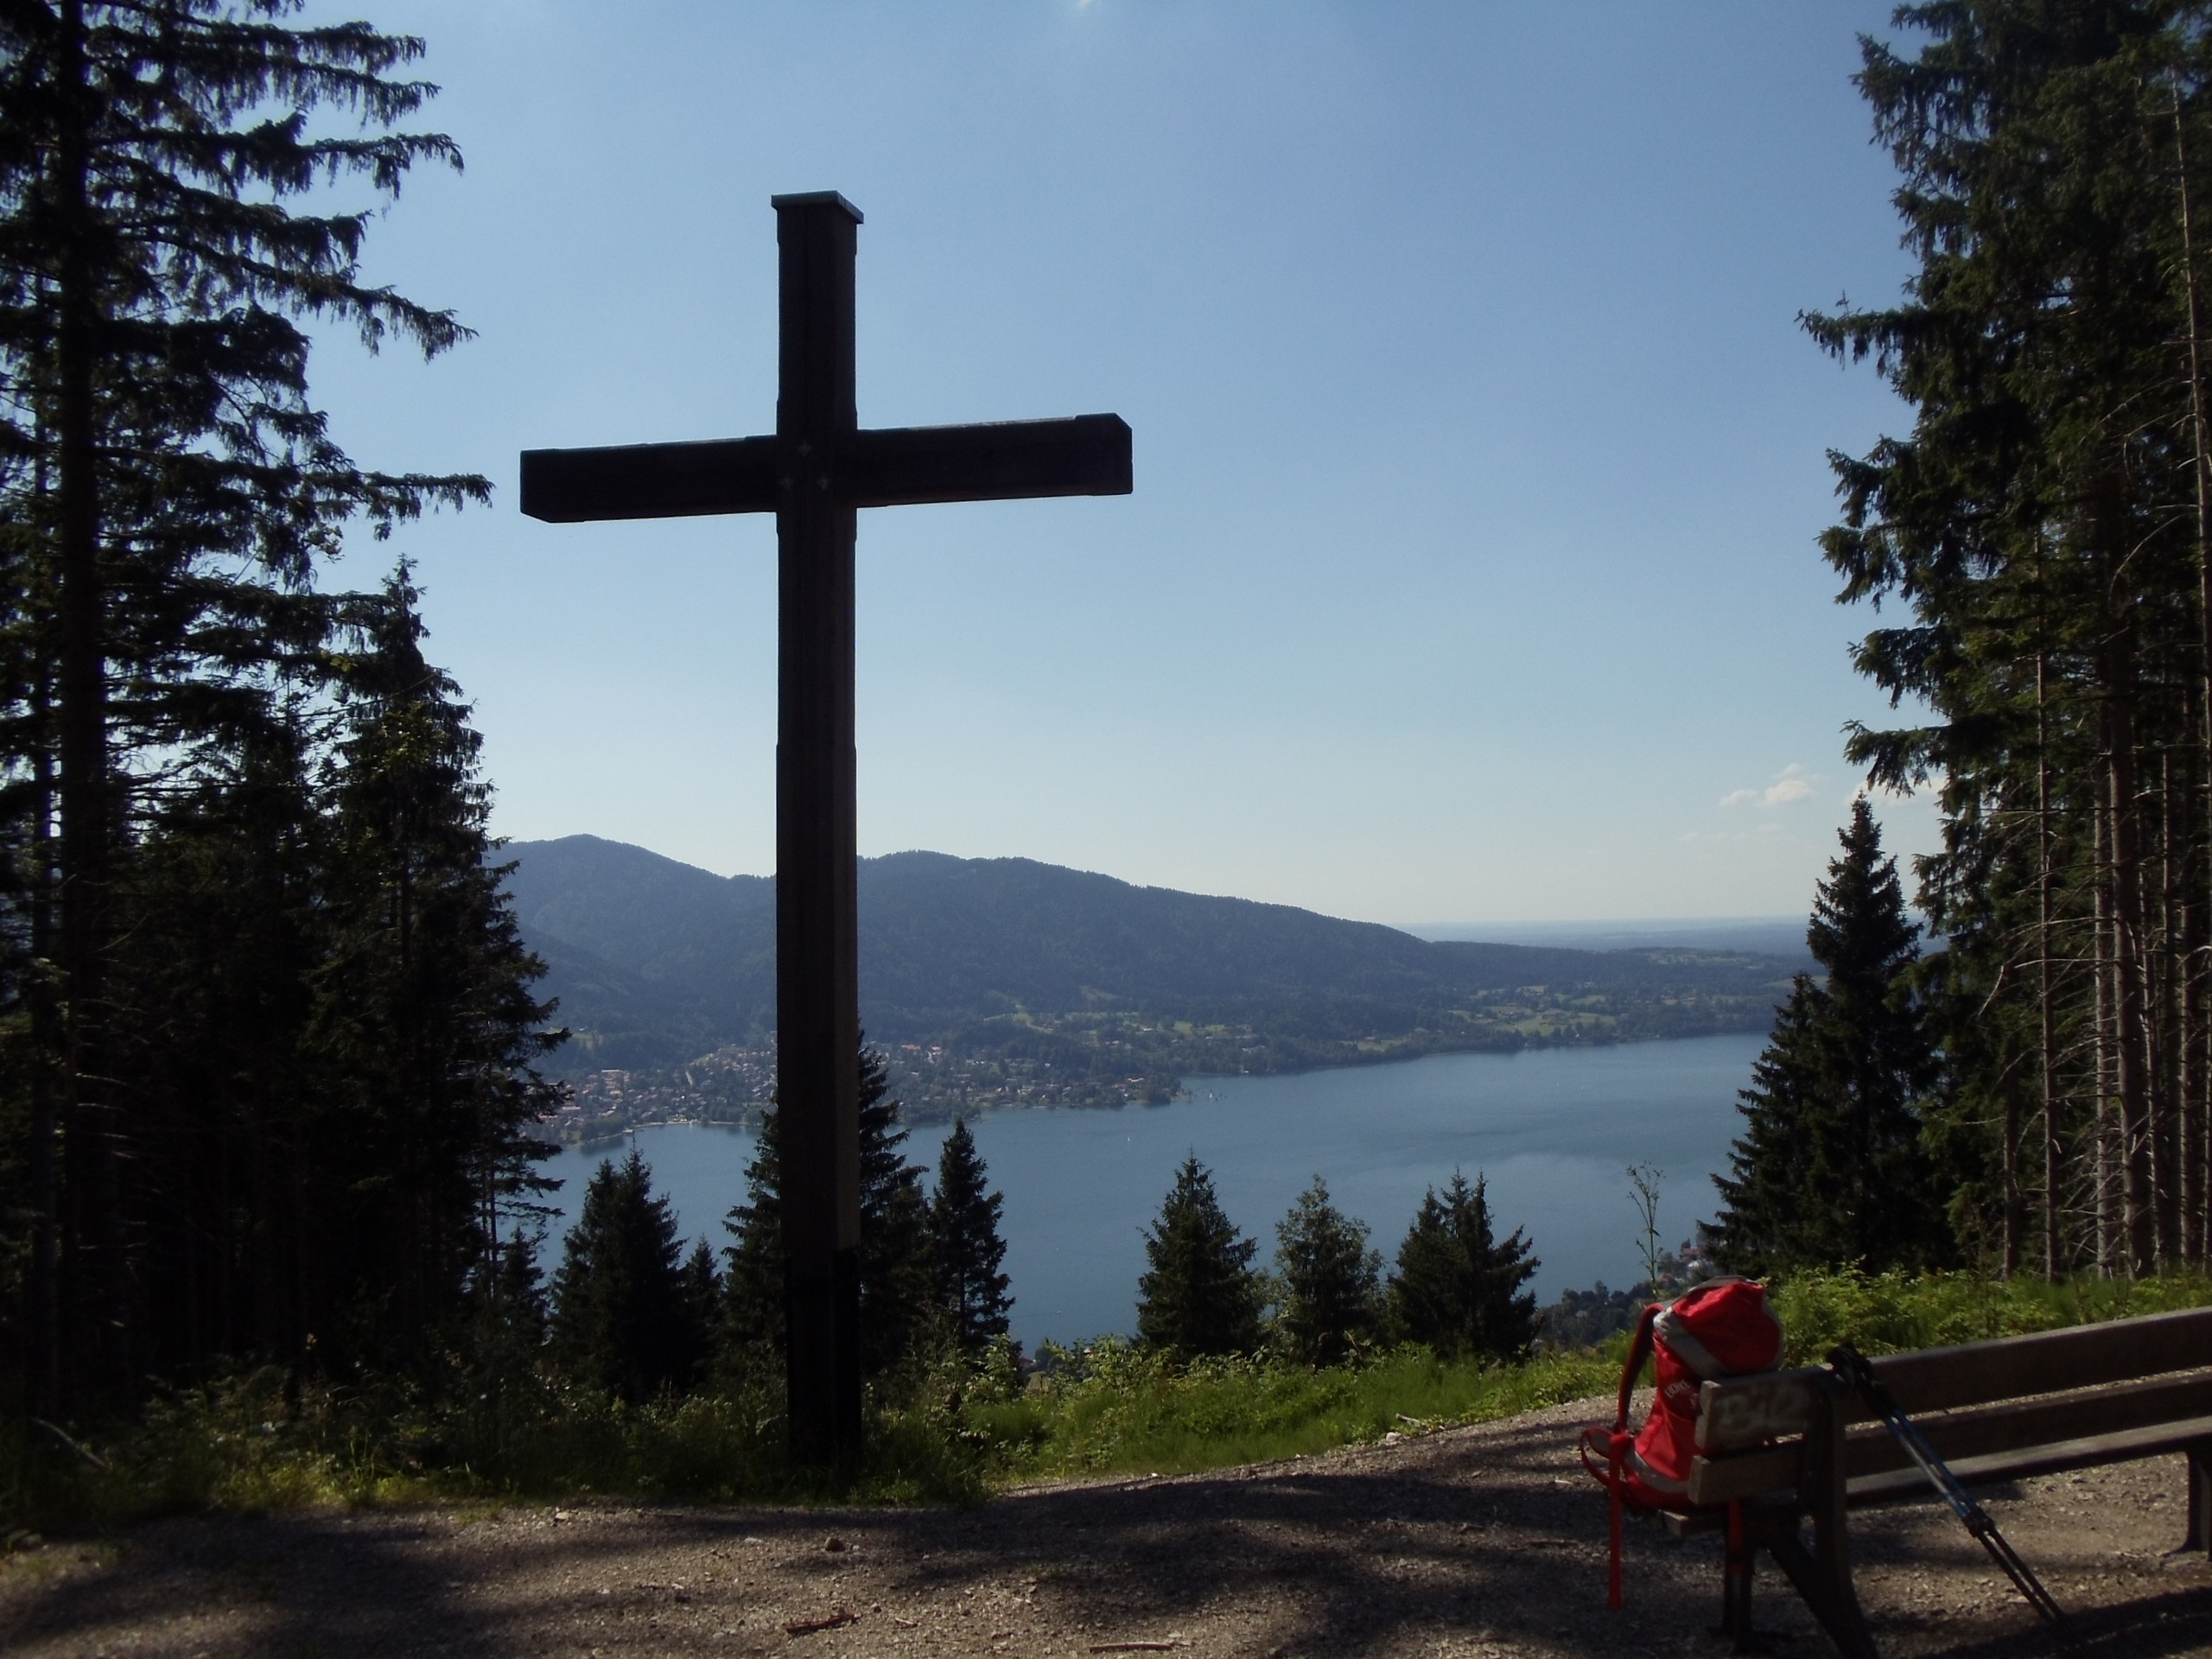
<point x="518" y="1292"/>
<point x="425" y="1025"/>
<point x="1458" y="1286"/>
<point x="508" y="1314"/>
<point x="172" y="490"/>
<point x="701" y="1300"/>
<point x="966" y="1247"/>
<point x="749" y="1324"/>
<point x="2043" y="529"/>
<point x="1199" y="1294"/>
<point x="502" y="1343"/>
<point x="896" y="1280"/>
<point x="1331" y="1280"/>
<point x="1830" y="1170"/>
<point x="244" y="1182"/>
<point x="329" y="1056"/>
<point x="623" y="1314"/>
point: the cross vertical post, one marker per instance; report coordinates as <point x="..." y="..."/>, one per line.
<point x="817" y="914"/>
<point x="814" y="473"/>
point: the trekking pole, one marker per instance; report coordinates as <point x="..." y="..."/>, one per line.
<point x="1853" y="1367"/>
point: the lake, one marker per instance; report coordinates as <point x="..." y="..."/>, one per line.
<point x="1552" y="1130"/>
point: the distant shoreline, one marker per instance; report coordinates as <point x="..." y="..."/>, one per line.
<point x="606" y="1130"/>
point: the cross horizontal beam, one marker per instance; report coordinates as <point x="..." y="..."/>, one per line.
<point x="888" y="467"/>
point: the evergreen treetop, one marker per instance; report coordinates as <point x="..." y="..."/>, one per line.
<point x="424" y="1024"/>
<point x="624" y="1315"/>
<point x="1458" y="1286"/>
<point x="1199" y="1294"/>
<point x="1830" y="1170"/>
<point x="965" y="1243"/>
<point x="1331" y="1281"/>
<point x="897" y="1283"/>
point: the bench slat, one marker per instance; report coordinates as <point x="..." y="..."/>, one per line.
<point x="1900" y="1485"/>
<point x="2080" y="1357"/>
<point x="1743" y="1411"/>
<point x="1971" y="1432"/>
<point x="2054" y="1459"/>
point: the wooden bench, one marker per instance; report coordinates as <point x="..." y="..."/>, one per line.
<point x="1776" y="1450"/>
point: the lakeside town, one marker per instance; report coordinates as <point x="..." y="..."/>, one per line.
<point x="732" y="1087"/>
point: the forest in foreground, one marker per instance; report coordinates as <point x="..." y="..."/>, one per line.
<point x="274" y="1052"/>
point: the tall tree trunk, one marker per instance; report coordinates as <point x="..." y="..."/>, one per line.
<point x="2048" y="1013"/>
<point x="2188" y="976"/>
<point x="42" y="1288"/>
<point x="2168" y="968"/>
<point x="2197" y="1100"/>
<point x="91" y="1132"/>
<point x="2131" y="1005"/>
<point x="2105" y="1044"/>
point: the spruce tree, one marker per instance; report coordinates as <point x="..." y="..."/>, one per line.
<point x="1830" y="1170"/>
<point x="171" y="489"/>
<point x="701" y="1300"/>
<point x="896" y="1281"/>
<point x="517" y="1293"/>
<point x="425" y="1025"/>
<point x="1458" y="1286"/>
<point x="502" y="1348"/>
<point x="965" y="1243"/>
<point x="749" y="1324"/>
<point x="508" y="1314"/>
<point x="624" y="1317"/>
<point x="329" y="1057"/>
<point x="1199" y="1294"/>
<point x="227" y="910"/>
<point x="2041" y="534"/>
<point x="1332" y="1293"/>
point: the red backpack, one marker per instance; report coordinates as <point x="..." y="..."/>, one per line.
<point x="1722" y="1328"/>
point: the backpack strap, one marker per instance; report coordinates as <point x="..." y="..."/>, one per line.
<point x="1639" y="1350"/>
<point x="1618" y="1443"/>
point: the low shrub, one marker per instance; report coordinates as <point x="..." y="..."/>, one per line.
<point x="251" y="1441"/>
<point x="242" y="1444"/>
<point x="1889" y="1313"/>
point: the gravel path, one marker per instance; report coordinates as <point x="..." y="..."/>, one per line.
<point x="1486" y="1541"/>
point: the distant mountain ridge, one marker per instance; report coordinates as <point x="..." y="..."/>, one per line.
<point x="656" y="963"/>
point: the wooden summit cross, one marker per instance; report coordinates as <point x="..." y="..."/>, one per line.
<point x="817" y="468"/>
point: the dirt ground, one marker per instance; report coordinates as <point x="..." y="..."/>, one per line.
<point x="1486" y="1541"/>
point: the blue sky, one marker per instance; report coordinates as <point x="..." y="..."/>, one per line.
<point x="1470" y="573"/>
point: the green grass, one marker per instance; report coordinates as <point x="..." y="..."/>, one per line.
<point x="244" y="1444"/>
<point x="1124" y="1411"/>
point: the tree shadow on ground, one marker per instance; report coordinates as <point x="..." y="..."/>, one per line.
<point x="1483" y="1543"/>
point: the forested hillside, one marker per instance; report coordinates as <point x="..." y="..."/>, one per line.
<point x="1005" y="975"/>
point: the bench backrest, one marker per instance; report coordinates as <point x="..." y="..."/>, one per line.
<point x="1745" y="1412"/>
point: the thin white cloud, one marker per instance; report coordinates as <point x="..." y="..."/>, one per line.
<point x="1792" y="783"/>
